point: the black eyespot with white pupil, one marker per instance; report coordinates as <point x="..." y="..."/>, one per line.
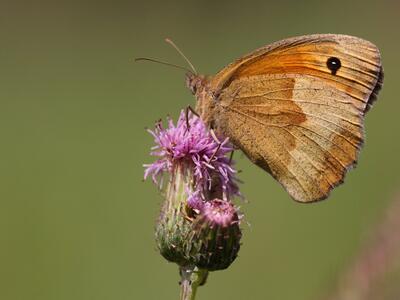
<point x="333" y="64"/>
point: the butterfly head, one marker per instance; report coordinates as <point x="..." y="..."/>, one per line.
<point x="195" y="82"/>
<point x="199" y="86"/>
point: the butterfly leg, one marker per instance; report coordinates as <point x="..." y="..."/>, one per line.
<point x="187" y="110"/>
<point x="236" y="92"/>
<point x="231" y="157"/>
<point x="214" y="136"/>
<point x="193" y="111"/>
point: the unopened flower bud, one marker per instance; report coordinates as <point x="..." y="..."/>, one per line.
<point x="216" y="235"/>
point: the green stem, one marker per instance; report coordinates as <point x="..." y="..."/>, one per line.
<point x="191" y="279"/>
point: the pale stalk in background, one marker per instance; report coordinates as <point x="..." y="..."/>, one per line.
<point x="379" y="259"/>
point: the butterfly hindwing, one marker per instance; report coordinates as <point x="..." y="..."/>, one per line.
<point x="296" y="108"/>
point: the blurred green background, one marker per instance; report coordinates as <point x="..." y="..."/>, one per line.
<point x="76" y="220"/>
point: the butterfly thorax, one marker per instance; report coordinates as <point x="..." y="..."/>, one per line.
<point x="205" y="104"/>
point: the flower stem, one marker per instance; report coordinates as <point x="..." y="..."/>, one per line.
<point x="191" y="279"/>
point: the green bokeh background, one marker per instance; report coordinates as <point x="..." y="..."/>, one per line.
<point x="76" y="220"/>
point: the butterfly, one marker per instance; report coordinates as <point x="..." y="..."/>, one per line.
<point x="295" y="107"/>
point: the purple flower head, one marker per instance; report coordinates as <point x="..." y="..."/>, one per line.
<point x="220" y="212"/>
<point x="195" y="147"/>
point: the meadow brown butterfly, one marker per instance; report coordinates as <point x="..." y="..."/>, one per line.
<point x="296" y="108"/>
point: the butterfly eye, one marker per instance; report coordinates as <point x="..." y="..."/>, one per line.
<point x="333" y="64"/>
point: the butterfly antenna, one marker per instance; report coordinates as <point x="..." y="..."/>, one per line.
<point x="162" y="62"/>
<point x="181" y="53"/>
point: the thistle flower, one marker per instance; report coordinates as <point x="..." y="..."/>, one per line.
<point x="198" y="227"/>
<point x="193" y="147"/>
